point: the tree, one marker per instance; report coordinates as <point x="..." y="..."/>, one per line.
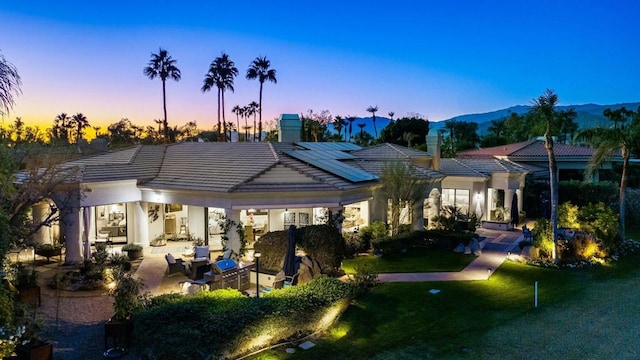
<point x="79" y="122"/>
<point x="609" y="142"/>
<point x="10" y="83"/>
<point x="61" y="127"/>
<point x="221" y="74"/>
<point x="373" y="110"/>
<point x="462" y="136"/>
<point x="260" y="69"/>
<point x="239" y="111"/>
<point x="338" y="123"/>
<point x="544" y="110"/>
<point x="163" y="66"/>
<point x="567" y="123"/>
<point x="361" y="126"/>
<point x="395" y="131"/>
<point x="391" y="113"/>
<point x="252" y="109"/>
<point x="351" y="120"/>
<point x="403" y="188"/>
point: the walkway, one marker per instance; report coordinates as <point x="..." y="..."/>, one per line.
<point x="497" y="244"/>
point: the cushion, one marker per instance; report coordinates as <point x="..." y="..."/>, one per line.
<point x="171" y="259"/>
<point x="201" y="252"/>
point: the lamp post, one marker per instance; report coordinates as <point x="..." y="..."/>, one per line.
<point x="256" y="255"/>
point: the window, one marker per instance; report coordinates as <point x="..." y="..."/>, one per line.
<point x="456" y="197"/>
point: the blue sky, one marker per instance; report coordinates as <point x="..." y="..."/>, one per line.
<point x="438" y="59"/>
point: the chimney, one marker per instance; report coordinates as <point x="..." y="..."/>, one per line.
<point x="289" y="128"/>
<point x="434" y="143"/>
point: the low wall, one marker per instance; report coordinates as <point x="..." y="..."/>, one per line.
<point x="496" y="225"/>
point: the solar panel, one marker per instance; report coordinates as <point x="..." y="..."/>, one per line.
<point x="328" y="146"/>
<point x="320" y="160"/>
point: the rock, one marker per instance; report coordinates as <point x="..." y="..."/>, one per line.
<point x="530" y="252"/>
<point x="459" y="249"/>
<point x="475" y="247"/>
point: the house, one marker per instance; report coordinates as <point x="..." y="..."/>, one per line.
<point x="176" y="191"/>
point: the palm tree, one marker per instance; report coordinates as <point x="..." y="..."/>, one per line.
<point x="611" y="141"/>
<point x="372" y="110"/>
<point x="497" y="127"/>
<point x="10" y="83"/>
<point x="80" y="122"/>
<point x="351" y="120"/>
<point x="391" y="113"/>
<point x="253" y="110"/>
<point x="164" y="67"/>
<point x="239" y="111"/>
<point x="221" y="73"/>
<point x="544" y="109"/>
<point x="260" y="69"/>
<point x="60" y="128"/>
<point x="338" y="123"/>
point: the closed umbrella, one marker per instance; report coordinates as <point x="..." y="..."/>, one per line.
<point x="289" y="266"/>
<point x="86" y="222"/>
<point x="515" y="212"/>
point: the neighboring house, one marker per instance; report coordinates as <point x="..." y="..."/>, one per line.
<point x="572" y="160"/>
<point x="183" y="190"/>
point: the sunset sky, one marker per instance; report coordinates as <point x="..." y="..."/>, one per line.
<point x="435" y="58"/>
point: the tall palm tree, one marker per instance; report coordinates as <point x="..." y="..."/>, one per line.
<point x="373" y="110"/>
<point x="239" y="111"/>
<point x="10" y="83"/>
<point x="361" y="126"/>
<point x="391" y="113"/>
<point x="80" y="122"/>
<point x="497" y="127"/>
<point x="544" y="109"/>
<point x="610" y="142"/>
<point x="221" y="74"/>
<point x="253" y="110"/>
<point x="260" y="69"/>
<point x="163" y="66"/>
<point x="60" y="128"/>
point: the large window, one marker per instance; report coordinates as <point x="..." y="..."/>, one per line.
<point x="456" y="197"/>
<point x="111" y="222"/>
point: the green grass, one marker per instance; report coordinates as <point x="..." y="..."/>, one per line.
<point x="414" y="260"/>
<point x="480" y="319"/>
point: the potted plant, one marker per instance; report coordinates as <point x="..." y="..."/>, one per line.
<point x="48" y="250"/>
<point x="31" y="346"/>
<point x="127" y="297"/>
<point x="26" y="281"/>
<point x="134" y="251"/>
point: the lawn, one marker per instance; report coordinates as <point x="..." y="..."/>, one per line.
<point x="414" y="260"/>
<point x="481" y="319"/>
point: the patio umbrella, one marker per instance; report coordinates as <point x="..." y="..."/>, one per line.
<point x="86" y="221"/>
<point x="515" y="212"/>
<point x="289" y="266"/>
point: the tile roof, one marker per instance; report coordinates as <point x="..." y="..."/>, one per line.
<point x="533" y="148"/>
<point x="478" y="167"/>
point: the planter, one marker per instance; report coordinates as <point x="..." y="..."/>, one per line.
<point x="497" y="225"/>
<point x="48" y="253"/>
<point x="134" y="254"/>
<point x="39" y="350"/>
<point x="29" y="295"/>
<point x="118" y="330"/>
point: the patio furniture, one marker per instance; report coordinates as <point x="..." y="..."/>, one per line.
<point x="175" y="265"/>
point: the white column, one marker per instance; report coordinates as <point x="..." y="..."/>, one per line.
<point x="334" y="212"/>
<point x="140" y="224"/>
<point x="378" y="207"/>
<point x="40" y="211"/>
<point x="234" y="239"/>
<point x="71" y="233"/>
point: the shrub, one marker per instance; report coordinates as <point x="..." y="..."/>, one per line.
<point x="354" y="243"/>
<point x="120" y="261"/>
<point x="586" y="247"/>
<point x="131" y="247"/>
<point x="602" y="222"/>
<point x="543" y="237"/>
<point x="582" y="193"/>
<point x="446" y="239"/>
<point x="632" y="204"/>
<point x="376" y="231"/>
<point x="363" y="280"/>
<point x="568" y="215"/>
<point x="323" y="244"/>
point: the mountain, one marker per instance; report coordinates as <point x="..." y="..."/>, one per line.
<point x="588" y="115"/>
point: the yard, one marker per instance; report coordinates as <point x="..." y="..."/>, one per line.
<point x="417" y="259"/>
<point x="582" y="313"/>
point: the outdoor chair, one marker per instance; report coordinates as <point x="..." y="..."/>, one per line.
<point x="175" y="265"/>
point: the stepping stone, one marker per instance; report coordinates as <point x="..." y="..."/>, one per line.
<point x="306" y="345"/>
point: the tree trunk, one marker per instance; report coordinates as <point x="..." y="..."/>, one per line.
<point x="260" y="113"/>
<point x="553" y="188"/>
<point x="623" y="192"/>
<point x="164" y="107"/>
